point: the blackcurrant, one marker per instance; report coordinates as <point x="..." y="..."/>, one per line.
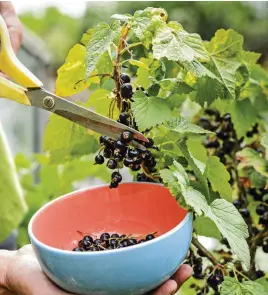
<point x="124" y="243"/>
<point x="118" y="157"/>
<point x="227" y="118"/>
<point x="115" y="236"/>
<point x="113" y="185"/>
<point x="265" y="248"/>
<point x="105" y="237"/>
<point x="126" y="90"/>
<point x="264" y="219"/>
<point x="133" y="153"/>
<point x="244" y="212"/>
<point x="116" y="177"/>
<point x="237" y="204"/>
<point x="141" y="241"/>
<point x="261" y="209"/>
<point x="260" y="274"/>
<point x="150" y="143"/>
<point x="98" y="242"/>
<point x="123" y="236"/>
<point x="249" y="134"/>
<point x="123" y="118"/>
<point x="205" y="123"/>
<point x="124" y="78"/>
<point x="111" y="164"/>
<point x="211" y="112"/>
<point x="212" y="144"/>
<point x="120" y="145"/>
<point x="102" y="139"/>
<point x="137" y="161"/>
<point x="149" y="237"/>
<point x="132" y="242"/>
<point x="141" y="177"/>
<point x="228" y="146"/>
<point x="222" y="135"/>
<point x="135" y="167"/>
<point x="150" y="163"/>
<point x="126" y="137"/>
<point x="213" y="282"/>
<point x="107" y="152"/>
<point x="78" y="249"/>
<point x="128" y="162"/>
<point x="197" y="268"/>
<point x="108" y="142"/>
<point x="88" y="239"/>
<point x="99" y="159"/>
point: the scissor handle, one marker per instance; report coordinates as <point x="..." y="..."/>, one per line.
<point x="10" y="65"/>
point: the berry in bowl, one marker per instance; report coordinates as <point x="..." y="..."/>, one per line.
<point x="100" y="241"/>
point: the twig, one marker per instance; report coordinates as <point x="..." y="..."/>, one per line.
<point x="253" y="248"/>
<point x="209" y="255"/>
<point x="129" y="47"/>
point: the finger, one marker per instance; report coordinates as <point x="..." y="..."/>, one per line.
<point x="182" y="274"/>
<point x="168" y="288"/>
<point x="13" y="24"/>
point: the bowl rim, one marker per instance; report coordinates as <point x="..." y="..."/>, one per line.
<point x="68" y="252"/>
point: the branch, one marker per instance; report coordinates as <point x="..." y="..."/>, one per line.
<point x="129" y="47"/>
<point x="253" y="248"/>
<point x="205" y="252"/>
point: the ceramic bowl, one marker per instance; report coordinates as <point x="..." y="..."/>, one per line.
<point x="132" y="208"/>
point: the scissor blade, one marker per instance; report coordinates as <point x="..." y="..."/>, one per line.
<point x="46" y="100"/>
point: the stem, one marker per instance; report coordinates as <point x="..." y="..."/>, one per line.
<point x="253" y="248"/>
<point x="209" y="255"/>
<point x="116" y="74"/>
<point x="129" y="47"/>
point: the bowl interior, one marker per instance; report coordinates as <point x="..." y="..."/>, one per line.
<point x="132" y="208"/>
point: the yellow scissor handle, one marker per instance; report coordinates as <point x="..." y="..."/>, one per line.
<point x="10" y="65"/>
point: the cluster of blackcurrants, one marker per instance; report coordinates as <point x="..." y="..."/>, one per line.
<point x="118" y="152"/>
<point x="225" y="140"/>
<point x="261" y="211"/>
<point x="110" y="242"/>
<point x="213" y="277"/>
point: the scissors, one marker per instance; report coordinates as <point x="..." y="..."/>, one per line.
<point x="30" y="92"/>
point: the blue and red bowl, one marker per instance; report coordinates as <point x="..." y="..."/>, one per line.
<point x="132" y="208"/>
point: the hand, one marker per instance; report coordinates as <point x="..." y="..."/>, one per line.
<point x="25" y="277"/>
<point x="14" y="26"/>
<point x="173" y="285"/>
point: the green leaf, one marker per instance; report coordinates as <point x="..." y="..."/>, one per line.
<point x="224" y="214"/>
<point x="138" y="63"/>
<point x="178" y="45"/>
<point x="143" y="74"/>
<point x="256" y="179"/>
<point x="198" y="169"/>
<point x="226" y="43"/>
<point x="226" y="69"/>
<point x="101" y="39"/>
<point x="264" y="143"/>
<point x="197" y="149"/>
<point x="263" y="281"/>
<point x="105" y="65"/>
<point x="244" y="116"/>
<point x="171" y="181"/>
<point x="232" y="286"/>
<point x="218" y="176"/>
<point x="183" y="126"/>
<point x="99" y="101"/>
<point x="206" y="227"/>
<point x="149" y="111"/>
<point x="224" y="49"/>
<point x="208" y="90"/>
<point x="249" y="57"/>
<point x="122" y="17"/>
<point x="232" y="226"/>
<point x="61" y="137"/>
<point x="71" y="74"/>
<point x="251" y="158"/>
<point x="176" y="86"/>
<point x="21" y="161"/>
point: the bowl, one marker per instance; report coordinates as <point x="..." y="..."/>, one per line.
<point x="132" y="208"/>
